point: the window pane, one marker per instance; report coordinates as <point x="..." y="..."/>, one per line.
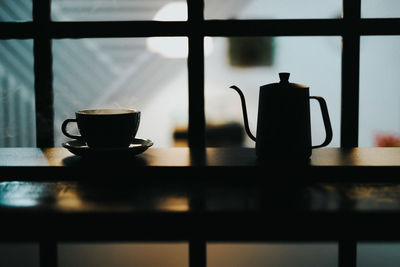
<point x="272" y="254"/>
<point x="118" y="10"/>
<point x="379" y="91"/>
<point x="255" y="61"/>
<point x="123" y="254"/>
<point x="378" y="254"/>
<point x="148" y="74"/>
<point x="17" y="98"/>
<point x="15" y="10"/>
<point x="272" y="9"/>
<point x="380" y="9"/>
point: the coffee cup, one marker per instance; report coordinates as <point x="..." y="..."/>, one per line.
<point x="105" y="128"/>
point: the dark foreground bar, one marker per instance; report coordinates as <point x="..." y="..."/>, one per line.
<point x="198" y="196"/>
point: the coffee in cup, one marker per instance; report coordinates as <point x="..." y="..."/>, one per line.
<point x="105" y="128"/>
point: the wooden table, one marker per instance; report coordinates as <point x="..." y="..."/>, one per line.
<point x="217" y="194"/>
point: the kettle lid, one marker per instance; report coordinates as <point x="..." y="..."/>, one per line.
<point x="284" y="82"/>
<point x="284" y="76"/>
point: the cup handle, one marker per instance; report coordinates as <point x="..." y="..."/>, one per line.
<point x="64" y="129"/>
<point x="327" y="121"/>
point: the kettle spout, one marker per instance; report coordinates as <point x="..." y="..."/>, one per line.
<point x="244" y="109"/>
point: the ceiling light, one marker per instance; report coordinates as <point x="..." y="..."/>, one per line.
<point x="174" y="47"/>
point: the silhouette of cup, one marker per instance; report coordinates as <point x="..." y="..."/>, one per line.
<point x="105" y="128"/>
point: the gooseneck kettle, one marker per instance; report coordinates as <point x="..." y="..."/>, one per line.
<point x="283" y="124"/>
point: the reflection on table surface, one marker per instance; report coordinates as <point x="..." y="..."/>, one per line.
<point x="72" y="196"/>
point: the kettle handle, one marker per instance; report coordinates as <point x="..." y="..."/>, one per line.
<point x="327" y="121"/>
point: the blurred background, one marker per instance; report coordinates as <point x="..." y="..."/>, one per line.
<point x="150" y="74"/>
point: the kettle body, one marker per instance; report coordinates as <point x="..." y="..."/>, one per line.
<point x="283" y="123"/>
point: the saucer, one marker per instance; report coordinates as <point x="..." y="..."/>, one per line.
<point x="80" y="148"/>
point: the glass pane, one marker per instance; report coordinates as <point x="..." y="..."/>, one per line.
<point x="15" y="10"/>
<point x="378" y="254"/>
<point x="272" y="254"/>
<point x="118" y="10"/>
<point x="17" y="98"/>
<point x="272" y="9"/>
<point x="140" y="73"/>
<point x="255" y="61"/>
<point x="380" y="9"/>
<point x="19" y="254"/>
<point x="379" y="91"/>
<point x="123" y="254"/>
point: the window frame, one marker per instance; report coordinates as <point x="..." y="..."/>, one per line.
<point x="350" y="27"/>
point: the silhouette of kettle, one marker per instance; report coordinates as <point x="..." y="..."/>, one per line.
<point x="283" y="124"/>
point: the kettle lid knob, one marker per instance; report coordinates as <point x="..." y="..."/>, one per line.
<point x="284" y="76"/>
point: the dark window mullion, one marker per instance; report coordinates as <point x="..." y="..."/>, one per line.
<point x="196" y="133"/>
<point x="110" y="29"/>
<point x="43" y="74"/>
<point x="350" y="73"/>
<point x="295" y="27"/>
